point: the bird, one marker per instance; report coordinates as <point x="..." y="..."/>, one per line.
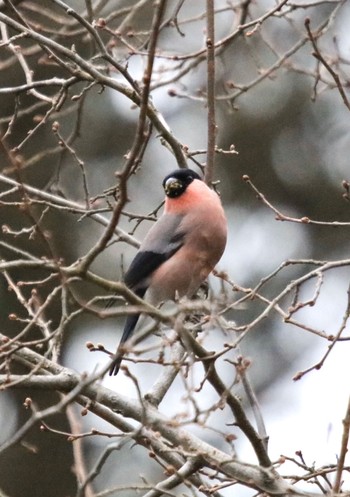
<point x="180" y="250"/>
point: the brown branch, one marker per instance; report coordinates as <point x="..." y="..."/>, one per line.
<point x="233" y="402"/>
<point x="74" y="387"/>
<point x="86" y="71"/>
<point x="242" y="364"/>
<point x="330" y="347"/>
<point x="80" y="462"/>
<point x="180" y="476"/>
<point x="343" y="451"/>
<point x="123" y="176"/>
<point x="282" y="217"/>
<point x="317" y="54"/>
<point x="57" y="201"/>
<point x="210" y="42"/>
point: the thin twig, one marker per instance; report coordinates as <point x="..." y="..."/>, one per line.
<point x="283" y="217"/>
<point x="317" y="54"/>
<point x="343" y="451"/>
<point x="210" y="43"/>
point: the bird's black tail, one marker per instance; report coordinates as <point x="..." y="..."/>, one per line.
<point x="130" y="325"/>
<point x="131" y="322"/>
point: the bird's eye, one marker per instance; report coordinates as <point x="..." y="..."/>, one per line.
<point x="173" y="187"/>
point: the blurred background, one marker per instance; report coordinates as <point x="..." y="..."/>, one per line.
<point x="283" y="113"/>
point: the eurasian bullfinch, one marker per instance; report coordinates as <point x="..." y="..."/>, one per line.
<point x="181" y="248"/>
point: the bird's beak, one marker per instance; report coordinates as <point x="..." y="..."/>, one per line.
<point x="172" y="185"/>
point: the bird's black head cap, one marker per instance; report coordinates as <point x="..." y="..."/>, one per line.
<point x="175" y="183"/>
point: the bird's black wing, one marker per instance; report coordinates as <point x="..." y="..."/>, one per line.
<point x="136" y="278"/>
<point x="147" y="261"/>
